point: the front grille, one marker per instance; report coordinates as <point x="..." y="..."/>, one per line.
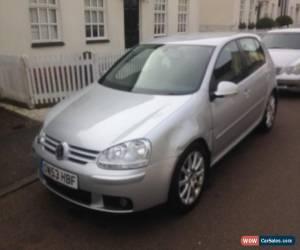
<point x="75" y="154"/>
<point x="80" y="196"/>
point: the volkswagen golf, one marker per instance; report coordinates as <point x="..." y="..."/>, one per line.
<point x="148" y="132"/>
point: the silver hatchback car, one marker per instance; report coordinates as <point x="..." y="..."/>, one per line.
<point x="148" y="132"/>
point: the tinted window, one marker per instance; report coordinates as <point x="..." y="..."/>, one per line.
<point x="254" y="54"/>
<point x="160" y="69"/>
<point x="228" y="66"/>
<point x="282" y="41"/>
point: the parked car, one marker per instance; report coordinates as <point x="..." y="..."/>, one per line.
<point x="148" y="132"/>
<point x="284" y="48"/>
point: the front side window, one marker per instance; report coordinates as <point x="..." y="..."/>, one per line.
<point x="160" y="18"/>
<point x="44" y="20"/>
<point x="95" y="27"/>
<point x="228" y="66"/>
<point x="183" y="11"/>
<point x="254" y="54"/>
<point x="282" y="40"/>
<point x="160" y="69"/>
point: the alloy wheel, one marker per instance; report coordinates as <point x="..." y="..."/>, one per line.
<point x="191" y="179"/>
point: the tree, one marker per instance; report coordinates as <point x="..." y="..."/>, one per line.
<point x="251" y="26"/>
<point x="265" y="23"/>
<point x="242" y="26"/>
<point x="284" y="21"/>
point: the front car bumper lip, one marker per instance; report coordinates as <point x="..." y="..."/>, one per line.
<point x="98" y="206"/>
<point x="119" y="180"/>
<point x="288" y="82"/>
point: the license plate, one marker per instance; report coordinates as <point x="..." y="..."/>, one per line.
<point x="63" y="177"/>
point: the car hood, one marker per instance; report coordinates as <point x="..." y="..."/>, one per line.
<point x="284" y="57"/>
<point x="99" y="117"/>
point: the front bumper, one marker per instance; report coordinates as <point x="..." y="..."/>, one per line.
<point x="144" y="188"/>
<point x="288" y="82"/>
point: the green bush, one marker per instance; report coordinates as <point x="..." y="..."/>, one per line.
<point x="265" y="23"/>
<point x="242" y="26"/>
<point x="284" y="21"/>
<point x="251" y="26"/>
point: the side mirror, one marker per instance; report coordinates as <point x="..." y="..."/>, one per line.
<point x="226" y="89"/>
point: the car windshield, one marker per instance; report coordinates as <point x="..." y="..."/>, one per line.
<point x="282" y="40"/>
<point x="160" y="69"/>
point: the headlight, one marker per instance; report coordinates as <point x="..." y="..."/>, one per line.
<point x="128" y="155"/>
<point x="296" y="70"/>
<point x="291" y="70"/>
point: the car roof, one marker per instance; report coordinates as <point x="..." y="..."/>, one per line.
<point x="205" y="38"/>
<point x="289" y="30"/>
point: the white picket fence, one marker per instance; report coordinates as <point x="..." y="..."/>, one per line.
<point x="49" y="79"/>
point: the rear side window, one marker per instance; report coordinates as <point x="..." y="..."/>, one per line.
<point x="228" y="66"/>
<point x="254" y="54"/>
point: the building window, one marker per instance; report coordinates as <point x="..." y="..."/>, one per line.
<point x="266" y="9"/>
<point x="273" y="11"/>
<point x="292" y="12"/>
<point x="44" y="20"/>
<point x="95" y="26"/>
<point x="183" y="11"/>
<point x="251" y="12"/>
<point x="160" y="18"/>
<point x="297" y="21"/>
<point x="242" y="11"/>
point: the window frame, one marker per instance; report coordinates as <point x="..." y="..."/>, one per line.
<point x="212" y="84"/>
<point x="160" y="12"/>
<point x="38" y="6"/>
<point x="249" y="71"/>
<point x="180" y="23"/>
<point x="98" y="9"/>
<point x="245" y="73"/>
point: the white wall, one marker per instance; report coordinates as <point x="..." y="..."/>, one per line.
<point x="15" y="38"/>
<point x="296" y="16"/>
<point x="221" y="15"/>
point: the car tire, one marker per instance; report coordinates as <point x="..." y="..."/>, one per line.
<point x="268" y="120"/>
<point x="189" y="179"/>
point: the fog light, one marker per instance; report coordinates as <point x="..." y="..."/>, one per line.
<point x="124" y="203"/>
<point x="117" y="203"/>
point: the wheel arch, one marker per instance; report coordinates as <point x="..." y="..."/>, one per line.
<point x="205" y="146"/>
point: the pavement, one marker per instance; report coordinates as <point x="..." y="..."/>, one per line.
<point x="254" y="190"/>
<point x="32" y="114"/>
<point x="16" y="136"/>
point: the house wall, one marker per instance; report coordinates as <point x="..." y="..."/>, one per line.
<point x="147" y="18"/>
<point x="293" y="10"/>
<point x="73" y="26"/>
<point x="15" y="38"/>
<point x="271" y="8"/>
<point x="221" y="15"/>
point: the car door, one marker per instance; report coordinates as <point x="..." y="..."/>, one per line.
<point x="258" y="76"/>
<point x="228" y="113"/>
